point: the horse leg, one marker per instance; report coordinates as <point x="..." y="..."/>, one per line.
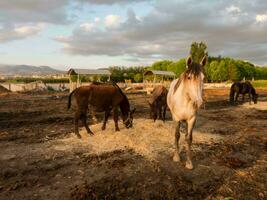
<point x="115" y="118"/>
<point x="107" y="113"/>
<point x="164" y="113"/>
<point x="188" y="142"/>
<point x="84" y="121"/>
<point x="94" y="116"/>
<point x="176" y="156"/>
<point x="76" y="123"/>
<point x="249" y="94"/>
<point x="160" y="112"/>
<point x="236" y="97"/>
<point x="243" y="97"/>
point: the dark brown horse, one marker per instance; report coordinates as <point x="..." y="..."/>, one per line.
<point x="242" y="88"/>
<point x="103" y="97"/>
<point x="158" y="102"/>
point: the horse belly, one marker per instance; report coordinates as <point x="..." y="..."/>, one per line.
<point x="100" y="103"/>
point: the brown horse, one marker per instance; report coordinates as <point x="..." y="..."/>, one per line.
<point x="103" y="97"/>
<point x="184" y="99"/>
<point x="158" y="102"/>
<point x="243" y="88"/>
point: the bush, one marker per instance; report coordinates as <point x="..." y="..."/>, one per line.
<point x="138" y="78"/>
<point x="259" y="83"/>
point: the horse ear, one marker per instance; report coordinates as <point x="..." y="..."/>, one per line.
<point x="203" y="61"/>
<point x="189" y="61"/>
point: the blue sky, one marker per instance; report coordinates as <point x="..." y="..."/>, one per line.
<point x="102" y="33"/>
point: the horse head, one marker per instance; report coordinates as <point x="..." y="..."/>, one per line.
<point x="193" y="80"/>
<point x="153" y="110"/>
<point x="255" y="98"/>
<point x="128" y="119"/>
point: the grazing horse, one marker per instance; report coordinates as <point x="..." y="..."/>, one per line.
<point x="102" y="97"/>
<point x="184" y="99"/>
<point x="242" y="88"/>
<point x="158" y="102"/>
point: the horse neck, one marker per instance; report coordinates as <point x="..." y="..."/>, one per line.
<point x="181" y="91"/>
<point x="125" y="106"/>
<point x="253" y="92"/>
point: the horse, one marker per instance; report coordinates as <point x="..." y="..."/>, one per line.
<point x="102" y="97"/>
<point x="243" y="88"/>
<point x="158" y="102"/>
<point x="184" y="99"/>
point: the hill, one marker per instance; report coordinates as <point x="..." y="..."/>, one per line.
<point x="23" y="70"/>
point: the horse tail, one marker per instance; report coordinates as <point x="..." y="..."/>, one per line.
<point x="69" y="100"/>
<point x="232" y="93"/>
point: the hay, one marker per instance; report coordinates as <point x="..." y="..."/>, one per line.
<point x="147" y="138"/>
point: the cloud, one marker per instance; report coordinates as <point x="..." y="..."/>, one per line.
<point x="60" y="12"/>
<point x="110" y="2"/>
<point x="112" y="21"/>
<point x="169" y="29"/>
<point x="21" y="19"/>
<point x="233" y="8"/>
<point x="261" y="18"/>
<point x="9" y="33"/>
<point x="32" y="11"/>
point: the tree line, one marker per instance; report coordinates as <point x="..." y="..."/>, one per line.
<point x="217" y="69"/>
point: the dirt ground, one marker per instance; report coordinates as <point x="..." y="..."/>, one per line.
<point x="41" y="158"/>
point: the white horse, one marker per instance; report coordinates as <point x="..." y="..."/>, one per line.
<point x="184" y="99"/>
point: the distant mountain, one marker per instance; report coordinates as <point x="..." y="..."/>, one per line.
<point x="27" y="70"/>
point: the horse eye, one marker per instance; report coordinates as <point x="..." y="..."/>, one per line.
<point x="188" y="77"/>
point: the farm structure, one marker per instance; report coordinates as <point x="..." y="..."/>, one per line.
<point x="75" y="76"/>
<point x="151" y="78"/>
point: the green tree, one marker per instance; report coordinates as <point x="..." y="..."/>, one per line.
<point x="161" y="65"/>
<point x="222" y="71"/>
<point x="214" y="71"/>
<point x="177" y="67"/>
<point x="138" y="78"/>
<point x="198" y="51"/>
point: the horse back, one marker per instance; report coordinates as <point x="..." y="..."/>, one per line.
<point x="242" y="87"/>
<point x="159" y="95"/>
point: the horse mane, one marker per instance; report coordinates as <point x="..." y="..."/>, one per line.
<point x="195" y="69"/>
<point x="178" y="83"/>
<point x="253" y="91"/>
<point x="125" y="103"/>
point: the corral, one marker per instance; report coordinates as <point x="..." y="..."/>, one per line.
<point x="41" y="158"/>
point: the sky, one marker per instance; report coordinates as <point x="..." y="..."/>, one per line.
<point x="101" y="33"/>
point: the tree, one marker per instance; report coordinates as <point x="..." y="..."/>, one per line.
<point x="198" y="51"/>
<point x="222" y="71"/>
<point x="138" y="78"/>
<point x="213" y="70"/>
<point x="177" y="67"/>
<point x="161" y="65"/>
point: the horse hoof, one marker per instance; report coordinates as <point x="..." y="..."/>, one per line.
<point x="189" y="165"/>
<point x="103" y="128"/>
<point x="176" y="158"/>
<point x="79" y="136"/>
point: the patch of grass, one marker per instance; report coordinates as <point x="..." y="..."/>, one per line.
<point x="259" y="83"/>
